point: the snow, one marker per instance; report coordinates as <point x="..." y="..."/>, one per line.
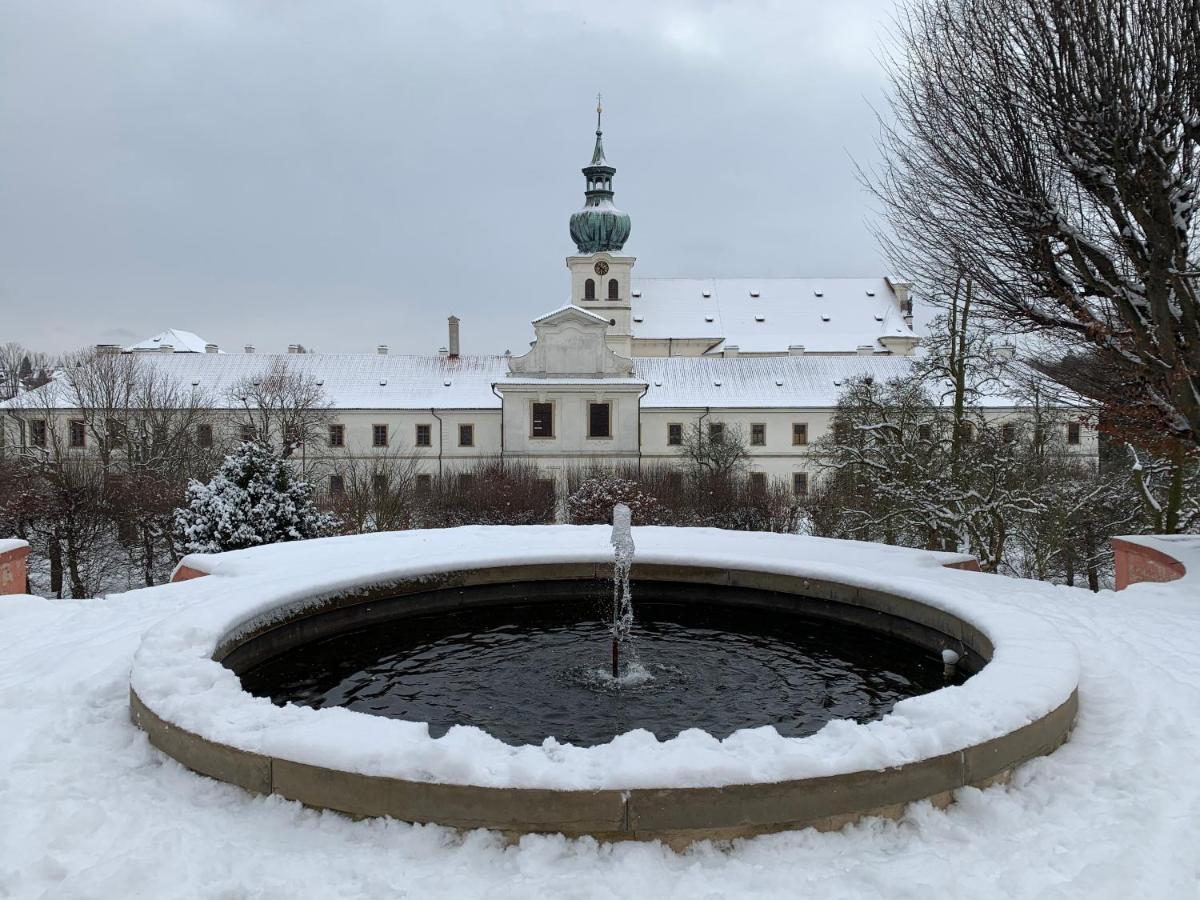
<point x="791" y="311"/>
<point x="88" y="809"/>
<point x="180" y="341"/>
<point x="8" y="544"/>
<point x="372" y="381"/>
<point x="1032" y="672"/>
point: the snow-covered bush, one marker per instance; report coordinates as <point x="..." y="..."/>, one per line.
<point x="593" y="501"/>
<point x="255" y="498"/>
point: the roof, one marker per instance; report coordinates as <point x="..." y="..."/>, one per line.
<point x="785" y="382"/>
<point x="182" y="341"/>
<point x="761" y="315"/>
<point x="372" y="381"/>
<point x="350" y="381"/>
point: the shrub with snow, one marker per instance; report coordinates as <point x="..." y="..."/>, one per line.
<point x="593" y="501"/>
<point x="255" y="498"/>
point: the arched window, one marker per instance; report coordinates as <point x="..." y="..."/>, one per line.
<point x="612" y="289"/>
<point x="589" y="289"/>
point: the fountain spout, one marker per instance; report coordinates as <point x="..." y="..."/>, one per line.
<point x="623" y="549"/>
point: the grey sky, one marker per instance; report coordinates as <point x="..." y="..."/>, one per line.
<point x="343" y="174"/>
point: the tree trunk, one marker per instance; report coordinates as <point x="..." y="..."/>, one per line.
<point x="56" y="564"/>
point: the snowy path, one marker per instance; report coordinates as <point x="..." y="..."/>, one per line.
<point x="88" y="809"/>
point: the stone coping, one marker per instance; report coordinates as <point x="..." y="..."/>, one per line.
<point x="250" y="742"/>
<point x="1155" y="558"/>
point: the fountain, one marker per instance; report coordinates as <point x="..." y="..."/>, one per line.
<point x="478" y="694"/>
<point x="622" y="541"/>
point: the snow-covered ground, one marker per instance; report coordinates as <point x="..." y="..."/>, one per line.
<point x="89" y="809"/>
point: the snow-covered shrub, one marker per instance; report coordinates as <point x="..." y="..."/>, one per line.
<point x="255" y="498"/>
<point x="593" y="501"/>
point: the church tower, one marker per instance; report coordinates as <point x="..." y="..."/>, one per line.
<point x="600" y="273"/>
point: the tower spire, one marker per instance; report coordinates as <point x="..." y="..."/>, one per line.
<point x="598" y="153"/>
<point x="599" y="225"/>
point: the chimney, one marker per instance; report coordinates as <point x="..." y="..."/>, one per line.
<point x="443" y="352"/>
<point x="453" y="320"/>
<point x="1006" y="351"/>
<point x="108" y="349"/>
<point x="249" y="348"/>
<point x="166" y="348"/>
<point x="795" y="349"/>
<point x="865" y="349"/>
<point x="730" y="350"/>
<point x="382" y="349"/>
<point x="293" y="348"/>
<point x="211" y="348"/>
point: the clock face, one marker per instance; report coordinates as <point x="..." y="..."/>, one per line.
<point x="601" y="268"/>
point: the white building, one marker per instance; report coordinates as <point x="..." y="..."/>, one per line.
<point x="615" y="376"/>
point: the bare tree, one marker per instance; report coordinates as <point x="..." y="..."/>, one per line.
<point x="374" y="493"/>
<point x="283" y="407"/>
<point x="1049" y="149"/>
<point x="714" y="449"/>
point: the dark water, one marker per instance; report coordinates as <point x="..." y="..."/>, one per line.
<point x="529" y="672"/>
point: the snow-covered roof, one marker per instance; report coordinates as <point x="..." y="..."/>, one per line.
<point x="373" y="381"/>
<point x="763" y="315"/>
<point x="181" y="341"/>
<point x="350" y="381"/>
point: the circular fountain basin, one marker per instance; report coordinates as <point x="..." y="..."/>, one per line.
<point x="759" y="763"/>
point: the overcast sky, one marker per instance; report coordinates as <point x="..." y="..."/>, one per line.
<point x="342" y="174"/>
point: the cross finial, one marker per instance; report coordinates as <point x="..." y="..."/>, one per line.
<point x="599" y="109"/>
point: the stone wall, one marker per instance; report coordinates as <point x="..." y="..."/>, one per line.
<point x="1136" y="561"/>
<point x="13" y="576"/>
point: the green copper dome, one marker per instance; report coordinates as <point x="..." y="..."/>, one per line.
<point x="599" y="225"/>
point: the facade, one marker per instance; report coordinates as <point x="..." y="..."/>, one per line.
<point x="613" y="377"/>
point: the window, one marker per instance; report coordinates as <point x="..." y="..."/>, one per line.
<point x="968" y="432"/>
<point x="247" y="433"/>
<point x="1008" y="432"/>
<point x="337" y="485"/>
<point x="379" y="436"/>
<point x="589" y="289"/>
<point x="424" y="436"/>
<point x="716" y="431"/>
<point x="204" y="436"/>
<point x="379" y="484"/>
<point x="758" y="435"/>
<point x="674" y="434"/>
<point x="37" y="432"/>
<point x="541" y="420"/>
<point x="292" y="435"/>
<point x="924" y="431"/>
<point x="112" y="430"/>
<point x="1073" y="432"/>
<point x="612" y="289"/>
<point x="599" y="420"/>
<point x="78" y="433"/>
<point x="799" y="434"/>
<point x="841" y="432"/>
<point x="800" y="484"/>
<point x="466" y="435"/>
<point x="337" y="435"/>
<point x="424" y="484"/>
<point x="758" y="481"/>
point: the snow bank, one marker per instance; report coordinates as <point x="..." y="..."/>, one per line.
<point x="7" y="544"/>
<point x="1033" y="671"/>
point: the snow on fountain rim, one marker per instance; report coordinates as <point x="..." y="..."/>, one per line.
<point x="1033" y="670"/>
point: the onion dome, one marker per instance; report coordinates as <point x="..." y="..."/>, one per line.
<point x="599" y="225"/>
